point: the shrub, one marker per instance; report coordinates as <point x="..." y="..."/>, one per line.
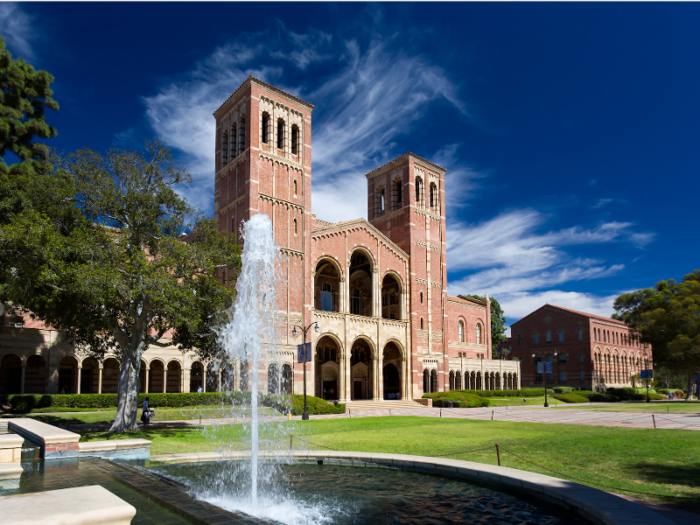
<point x="525" y="392"/>
<point x="563" y="389"/>
<point x="630" y="393"/>
<point x="570" y="398"/>
<point x="597" y="396"/>
<point x="315" y="405"/>
<point x="460" y="398"/>
<point x="669" y="390"/>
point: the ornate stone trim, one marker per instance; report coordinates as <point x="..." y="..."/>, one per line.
<point x="280" y="160"/>
<point x="277" y="200"/>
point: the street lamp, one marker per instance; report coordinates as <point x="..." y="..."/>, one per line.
<point x="305" y="415"/>
<point x="546" y="404"/>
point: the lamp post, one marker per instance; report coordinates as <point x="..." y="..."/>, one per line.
<point x="305" y="415"/>
<point x="546" y="404"/>
<point x="646" y="372"/>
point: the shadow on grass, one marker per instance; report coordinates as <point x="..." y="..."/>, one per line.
<point x="688" y="475"/>
<point x="150" y="433"/>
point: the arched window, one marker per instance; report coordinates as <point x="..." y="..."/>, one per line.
<point x="548" y="337"/>
<point x="478" y="333"/>
<point x="356" y="302"/>
<point x="280" y="134"/>
<point x="561" y="336"/>
<point x="265" y="127"/>
<point x="421" y="323"/>
<point x="396" y="194"/>
<point x="419" y="189"/>
<point x="295" y="226"/>
<point x="241" y="136"/>
<point x="537" y="338"/>
<point x="295" y="188"/>
<point x="433" y="196"/>
<point x="382" y="201"/>
<point x="295" y="140"/>
<point x="224" y="149"/>
<point x="327" y="297"/>
<point x="580" y="334"/>
<point x="421" y="298"/>
<point x="232" y="141"/>
<point x="460" y="329"/>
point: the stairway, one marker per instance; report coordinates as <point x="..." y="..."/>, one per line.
<point x="386" y="404"/>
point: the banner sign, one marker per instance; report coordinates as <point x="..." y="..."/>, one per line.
<point x="540" y="367"/>
<point x="549" y="367"/>
<point x="646" y="374"/>
<point x="304" y="351"/>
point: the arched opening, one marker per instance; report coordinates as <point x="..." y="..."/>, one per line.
<point x="280" y="133"/>
<point x="515" y="382"/>
<point x="232" y="141"/>
<point x="452" y="379"/>
<point x="196" y="377"/>
<point x="478" y="334"/>
<point x="327" y="286"/>
<point x="396" y="193"/>
<point x="479" y="385"/>
<point x="460" y="331"/>
<point x="295" y="188"/>
<point x="174" y="378"/>
<point x="426" y="381"/>
<point x="35" y="375"/>
<point x="295" y="140"/>
<point x="273" y="379"/>
<point x="391" y="295"/>
<point x="295" y="227"/>
<point x="380" y="201"/>
<point x="419" y="190"/>
<point x="224" y="149"/>
<point x="433" y="381"/>
<point x="245" y="375"/>
<point x="110" y="376"/>
<point x="11" y="366"/>
<point x="142" y="377"/>
<point x="458" y="380"/>
<point x="327" y="368"/>
<point x="361" y="373"/>
<point x="89" y="376"/>
<point x="498" y="385"/>
<point x="241" y="135"/>
<point x="392" y="362"/>
<point x="228" y="375"/>
<point x="287" y="382"/>
<point x="265" y="127"/>
<point x="433" y="196"/>
<point x="68" y="375"/>
<point x="155" y="377"/>
<point x="472" y="382"/>
<point x="360" y="284"/>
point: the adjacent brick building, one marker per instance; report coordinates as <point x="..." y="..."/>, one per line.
<point x="592" y="352"/>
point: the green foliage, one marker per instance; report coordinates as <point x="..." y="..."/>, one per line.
<point x="498" y="324"/>
<point x="597" y="396"/>
<point x="525" y="392"/>
<point x="460" y="398"/>
<point x="24" y="96"/>
<point x="315" y="405"/>
<point x="668" y="318"/>
<point x="563" y="389"/>
<point x="571" y="398"/>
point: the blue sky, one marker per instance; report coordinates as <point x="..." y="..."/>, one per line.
<point x="570" y="131"/>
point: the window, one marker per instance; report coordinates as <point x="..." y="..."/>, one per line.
<point x="421" y="298"/>
<point x="581" y="358"/>
<point x="605" y="336"/>
<point x="580" y="334"/>
<point x="295" y="140"/>
<point x="396" y="194"/>
<point x="550" y="375"/>
<point x="419" y="188"/>
<point x="265" y="127"/>
<point x="478" y="333"/>
<point x="548" y="337"/>
<point x="232" y="141"/>
<point x="224" y="149"/>
<point x="326" y="298"/>
<point x="421" y="323"/>
<point x="537" y="338"/>
<point x="538" y="375"/>
<point x="460" y="329"/>
<point x="520" y="340"/>
<point x="581" y="375"/>
<point x="562" y="377"/>
<point x="280" y="134"/>
<point x="295" y="226"/>
<point x="562" y="358"/>
<point x="295" y="188"/>
<point x="382" y="203"/>
<point x="356" y="302"/>
<point x="433" y="196"/>
<point x="241" y="136"/>
<point x="561" y="336"/>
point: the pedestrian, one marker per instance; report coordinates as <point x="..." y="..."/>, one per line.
<point x="199" y="389"/>
<point x="146" y="414"/>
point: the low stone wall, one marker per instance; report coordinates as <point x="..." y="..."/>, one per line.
<point x="116" y="449"/>
<point x="54" y="442"/>
<point x="77" y="506"/>
<point x="598" y="506"/>
<point x="11" y="448"/>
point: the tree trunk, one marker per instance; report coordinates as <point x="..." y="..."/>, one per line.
<point x="690" y="386"/>
<point x="128" y="391"/>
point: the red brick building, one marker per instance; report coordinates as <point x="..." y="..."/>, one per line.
<point x="592" y="352"/>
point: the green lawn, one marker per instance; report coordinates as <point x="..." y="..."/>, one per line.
<point x="162" y="414"/>
<point x="657" y="407"/>
<point x="518" y="401"/>
<point x="663" y="463"/>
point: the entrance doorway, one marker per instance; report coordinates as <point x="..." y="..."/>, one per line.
<point x="357" y="390"/>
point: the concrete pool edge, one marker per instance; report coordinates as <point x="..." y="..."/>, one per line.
<point x="593" y="504"/>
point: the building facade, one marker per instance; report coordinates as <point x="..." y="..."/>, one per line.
<point x="585" y="350"/>
<point x="377" y="288"/>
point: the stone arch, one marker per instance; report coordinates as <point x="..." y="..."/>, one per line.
<point x="68" y="374"/>
<point x="326" y="362"/>
<point x="174" y="377"/>
<point x="273" y="378"/>
<point x="287" y="379"/>
<point x="156" y="378"/>
<point x="393" y="375"/>
<point x="434" y="380"/>
<point x="362" y="368"/>
<point x="452" y="379"/>
<point x="392" y="295"/>
<point x="426" y="381"/>
<point x="458" y="380"/>
<point x="110" y="375"/>
<point x="328" y="276"/>
<point x="35" y="375"/>
<point x="461" y="329"/>
<point x="196" y="376"/>
<point x="89" y="375"/>
<point x="11" y="373"/>
<point x="361" y="284"/>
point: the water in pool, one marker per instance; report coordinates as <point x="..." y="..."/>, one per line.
<point x="334" y="495"/>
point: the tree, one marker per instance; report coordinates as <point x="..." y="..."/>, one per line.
<point x="498" y="324"/>
<point x="111" y="268"/>
<point x="24" y="96"/>
<point x="668" y="318"/>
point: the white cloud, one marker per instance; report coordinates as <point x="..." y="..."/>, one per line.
<point x="518" y="305"/>
<point x="16" y="28"/>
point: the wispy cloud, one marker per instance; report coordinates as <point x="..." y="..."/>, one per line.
<point x="16" y="28"/>
<point x="462" y="180"/>
<point x="373" y="94"/>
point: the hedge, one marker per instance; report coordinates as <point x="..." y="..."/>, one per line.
<point x="459" y="398"/>
<point x="669" y="390"/>
<point x="315" y="405"/>
<point x="570" y="398"/>
<point x="630" y="393"/>
<point x="597" y="396"/>
<point x="525" y="392"/>
<point x="563" y="389"/>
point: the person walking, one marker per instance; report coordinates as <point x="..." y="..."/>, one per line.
<point x="146" y="414"/>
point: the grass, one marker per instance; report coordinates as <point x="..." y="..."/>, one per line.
<point x="663" y="464"/>
<point x="658" y="407"/>
<point x="518" y="401"/>
<point x="162" y="414"/>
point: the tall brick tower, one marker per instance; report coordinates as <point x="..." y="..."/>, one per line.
<point x="263" y="165"/>
<point x="406" y="202"/>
